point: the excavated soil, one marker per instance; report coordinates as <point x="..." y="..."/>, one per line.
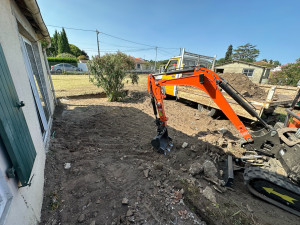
<point x="101" y="168"/>
<point x="244" y="85"/>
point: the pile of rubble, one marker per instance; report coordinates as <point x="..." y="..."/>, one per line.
<point x="244" y="85"/>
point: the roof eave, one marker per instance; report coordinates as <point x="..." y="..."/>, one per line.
<point x="32" y="10"/>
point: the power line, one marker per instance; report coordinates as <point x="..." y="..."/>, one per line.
<point x="71" y="28"/>
<point x="113" y="36"/>
<point x="116" y="50"/>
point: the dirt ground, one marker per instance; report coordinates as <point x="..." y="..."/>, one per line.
<point x="101" y="168"/>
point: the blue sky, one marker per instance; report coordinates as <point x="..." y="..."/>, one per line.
<point x="203" y="27"/>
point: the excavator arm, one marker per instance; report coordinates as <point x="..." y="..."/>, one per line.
<point x="207" y="81"/>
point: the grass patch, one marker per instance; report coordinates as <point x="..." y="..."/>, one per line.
<point x="74" y="85"/>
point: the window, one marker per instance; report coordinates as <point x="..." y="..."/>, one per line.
<point x="172" y="65"/>
<point x="219" y="70"/>
<point x="138" y="66"/>
<point x="248" y="72"/>
<point x="37" y="82"/>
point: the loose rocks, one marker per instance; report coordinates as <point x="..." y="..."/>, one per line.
<point x="196" y="168"/>
<point x="209" y="194"/>
<point x="210" y="169"/>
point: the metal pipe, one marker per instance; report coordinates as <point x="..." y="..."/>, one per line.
<point x="293" y="114"/>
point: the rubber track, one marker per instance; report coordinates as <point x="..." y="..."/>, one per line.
<point x="251" y="173"/>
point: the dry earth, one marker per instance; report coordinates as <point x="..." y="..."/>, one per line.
<point x="115" y="177"/>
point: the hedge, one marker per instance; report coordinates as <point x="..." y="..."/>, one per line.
<point x="62" y="60"/>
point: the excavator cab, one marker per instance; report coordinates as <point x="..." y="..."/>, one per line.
<point x="171" y="66"/>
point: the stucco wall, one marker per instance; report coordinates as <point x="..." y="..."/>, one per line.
<point x="238" y="68"/>
<point x="27" y="201"/>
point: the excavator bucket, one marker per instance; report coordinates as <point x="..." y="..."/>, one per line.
<point x="162" y="142"/>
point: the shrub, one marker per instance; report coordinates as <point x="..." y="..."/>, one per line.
<point x="62" y="60"/>
<point x="82" y="57"/>
<point x="109" y="72"/>
<point x="66" y="55"/>
<point x="289" y="75"/>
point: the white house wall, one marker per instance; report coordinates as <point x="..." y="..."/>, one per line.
<point x="27" y="201"/>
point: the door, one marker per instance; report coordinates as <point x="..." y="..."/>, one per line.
<point x="172" y="65"/>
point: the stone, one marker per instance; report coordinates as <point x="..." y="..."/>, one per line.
<point x="184" y="145"/>
<point x="210" y="169"/>
<point x="93" y="222"/>
<point x="125" y="201"/>
<point x="67" y="166"/>
<point x="140" y="168"/>
<point x="209" y="194"/>
<point x="245" y="93"/>
<point x="98" y="201"/>
<point x="195" y="168"/>
<point x="193" y="148"/>
<point x="129" y="213"/>
<point x="157" y="183"/>
<point x="223" y="130"/>
<point x="158" y="166"/>
<point x="131" y="219"/>
<point x="81" y="218"/>
<point x="182" y="191"/>
<point x="146" y="173"/>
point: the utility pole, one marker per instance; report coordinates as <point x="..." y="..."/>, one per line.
<point x="98" y="42"/>
<point x="155" y="59"/>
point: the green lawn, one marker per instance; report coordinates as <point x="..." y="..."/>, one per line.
<point x="73" y="85"/>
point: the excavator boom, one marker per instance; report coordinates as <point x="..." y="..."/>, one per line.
<point x="205" y="80"/>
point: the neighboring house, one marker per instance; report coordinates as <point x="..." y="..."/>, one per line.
<point x="26" y="109"/>
<point x="142" y="66"/>
<point x="278" y="68"/>
<point x="256" y="73"/>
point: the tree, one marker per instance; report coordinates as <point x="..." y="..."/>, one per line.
<point x="53" y="50"/>
<point x="247" y="52"/>
<point x="220" y="61"/>
<point x="289" y="75"/>
<point x="298" y="60"/>
<point x="276" y="63"/>
<point x="265" y="60"/>
<point x="75" y="50"/>
<point x="228" y="54"/>
<point x="63" y="43"/>
<point x="85" y="54"/>
<point x="54" y="42"/>
<point x="109" y="71"/>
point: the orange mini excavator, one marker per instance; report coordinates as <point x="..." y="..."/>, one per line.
<point x="272" y="158"/>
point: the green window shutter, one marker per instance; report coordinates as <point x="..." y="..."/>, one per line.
<point x="13" y="127"/>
